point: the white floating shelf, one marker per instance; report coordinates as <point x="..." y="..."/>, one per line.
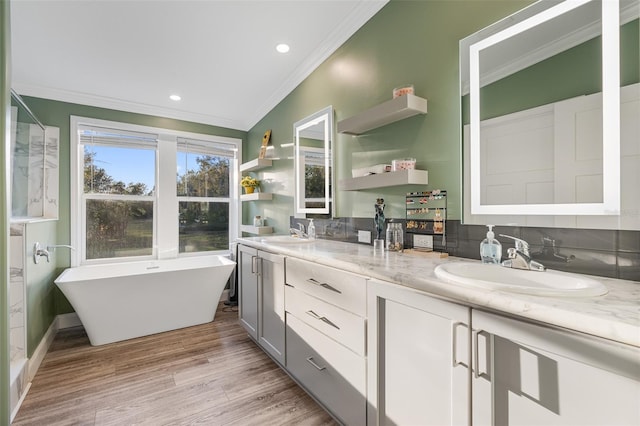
<point x="256" y="196"/>
<point x="257" y="230"/>
<point x="381" y="180"/>
<point x="256" y="164"/>
<point x="386" y="113"/>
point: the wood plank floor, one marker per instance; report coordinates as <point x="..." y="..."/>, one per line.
<point x="211" y="374"/>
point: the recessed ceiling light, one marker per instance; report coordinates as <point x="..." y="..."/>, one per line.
<point x="282" y="48"/>
<point x="175" y="97"/>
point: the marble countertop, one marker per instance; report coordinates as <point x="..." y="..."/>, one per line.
<point x="614" y="316"/>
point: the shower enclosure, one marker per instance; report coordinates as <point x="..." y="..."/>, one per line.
<point x="34" y="198"/>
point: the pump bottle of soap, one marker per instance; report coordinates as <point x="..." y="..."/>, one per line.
<point x="311" y="230"/>
<point x="490" y="248"/>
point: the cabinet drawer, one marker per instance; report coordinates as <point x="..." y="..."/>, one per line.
<point x="340" y="325"/>
<point x="329" y="371"/>
<point x="340" y="288"/>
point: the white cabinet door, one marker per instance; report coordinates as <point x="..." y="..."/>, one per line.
<point x="248" y="289"/>
<point x="418" y="357"/>
<point x="526" y="374"/>
<point x="271" y="328"/>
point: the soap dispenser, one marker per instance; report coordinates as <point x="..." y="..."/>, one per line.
<point x="490" y="248"/>
<point x="311" y="230"/>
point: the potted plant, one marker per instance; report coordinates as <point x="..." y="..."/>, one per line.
<point x="249" y="184"/>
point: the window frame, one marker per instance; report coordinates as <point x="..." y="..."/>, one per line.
<point x="196" y="147"/>
<point x="165" y="214"/>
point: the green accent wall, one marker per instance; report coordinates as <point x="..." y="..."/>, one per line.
<point x="407" y="42"/>
<point x="40" y="301"/>
<point x="44" y="300"/>
<point x="5" y="126"/>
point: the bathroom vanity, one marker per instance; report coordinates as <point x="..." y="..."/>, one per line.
<point x="379" y="339"/>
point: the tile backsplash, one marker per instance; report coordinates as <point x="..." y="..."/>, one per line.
<point x="606" y="253"/>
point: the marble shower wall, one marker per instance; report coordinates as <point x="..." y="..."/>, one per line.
<point x="17" y="302"/>
<point x="34" y="169"/>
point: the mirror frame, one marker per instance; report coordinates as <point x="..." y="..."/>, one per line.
<point x="529" y="17"/>
<point x="325" y="116"/>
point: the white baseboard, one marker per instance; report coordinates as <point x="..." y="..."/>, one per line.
<point x="68" y="321"/>
<point x="19" y="404"/>
<point x="59" y="322"/>
<point x="40" y="352"/>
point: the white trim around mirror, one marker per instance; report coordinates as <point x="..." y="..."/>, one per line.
<point x="324" y="116"/>
<point x="610" y="111"/>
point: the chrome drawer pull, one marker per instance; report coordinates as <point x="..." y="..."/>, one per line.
<point x="476" y="354"/>
<point x="476" y="360"/>
<point x="325" y="285"/>
<point x="454" y="340"/>
<point x="323" y="319"/>
<point x="310" y="361"/>
<point x="313" y="314"/>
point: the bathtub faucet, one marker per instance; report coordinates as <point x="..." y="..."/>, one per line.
<point x="54" y="247"/>
<point x="38" y="251"/>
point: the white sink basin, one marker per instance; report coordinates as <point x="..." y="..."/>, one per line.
<point x="494" y="277"/>
<point x="286" y="239"/>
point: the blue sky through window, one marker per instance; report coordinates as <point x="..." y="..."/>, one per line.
<point x="137" y="165"/>
<point x="186" y="162"/>
<point x="126" y="164"/>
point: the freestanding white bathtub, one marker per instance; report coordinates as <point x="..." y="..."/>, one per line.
<point x="120" y="301"/>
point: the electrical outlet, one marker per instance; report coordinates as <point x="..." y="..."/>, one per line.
<point x="423" y="241"/>
<point x="364" y="237"/>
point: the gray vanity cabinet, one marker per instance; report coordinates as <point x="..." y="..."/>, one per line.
<point x="529" y="374"/>
<point x="261" y="298"/>
<point x="248" y="289"/>
<point x="326" y="329"/>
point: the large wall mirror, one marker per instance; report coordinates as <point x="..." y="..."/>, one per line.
<point x="313" y="163"/>
<point x="551" y="97"/>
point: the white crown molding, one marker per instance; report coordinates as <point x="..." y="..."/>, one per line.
<point x="120" y="105"/>
<point x="364" y="11"/>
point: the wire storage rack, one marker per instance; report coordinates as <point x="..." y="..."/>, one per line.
<point x="426" y="217"/>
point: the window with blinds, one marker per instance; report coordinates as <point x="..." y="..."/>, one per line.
<point x="119" y="182"/>
<point x="130" y="206"/>
<point x="203" y="187"/>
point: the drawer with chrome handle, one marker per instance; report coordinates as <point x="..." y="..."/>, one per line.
<point x="340" y="288"/>
<point x="324" y="285"/>
<point x="334" y="375"/>
<point x="346" y="328"/>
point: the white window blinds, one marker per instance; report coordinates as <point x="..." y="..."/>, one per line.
<point x="93" y="135"/>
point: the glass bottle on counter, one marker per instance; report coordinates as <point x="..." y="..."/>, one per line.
<point x="395" y="237"/>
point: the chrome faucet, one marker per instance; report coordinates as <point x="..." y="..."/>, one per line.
<point x="38" y="252"/>
<point x="519" y="257"/>
<point x="300" y="232"/>
<point x="53" y="247"/>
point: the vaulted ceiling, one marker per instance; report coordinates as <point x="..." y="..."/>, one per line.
<point x="219" y="56"/>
